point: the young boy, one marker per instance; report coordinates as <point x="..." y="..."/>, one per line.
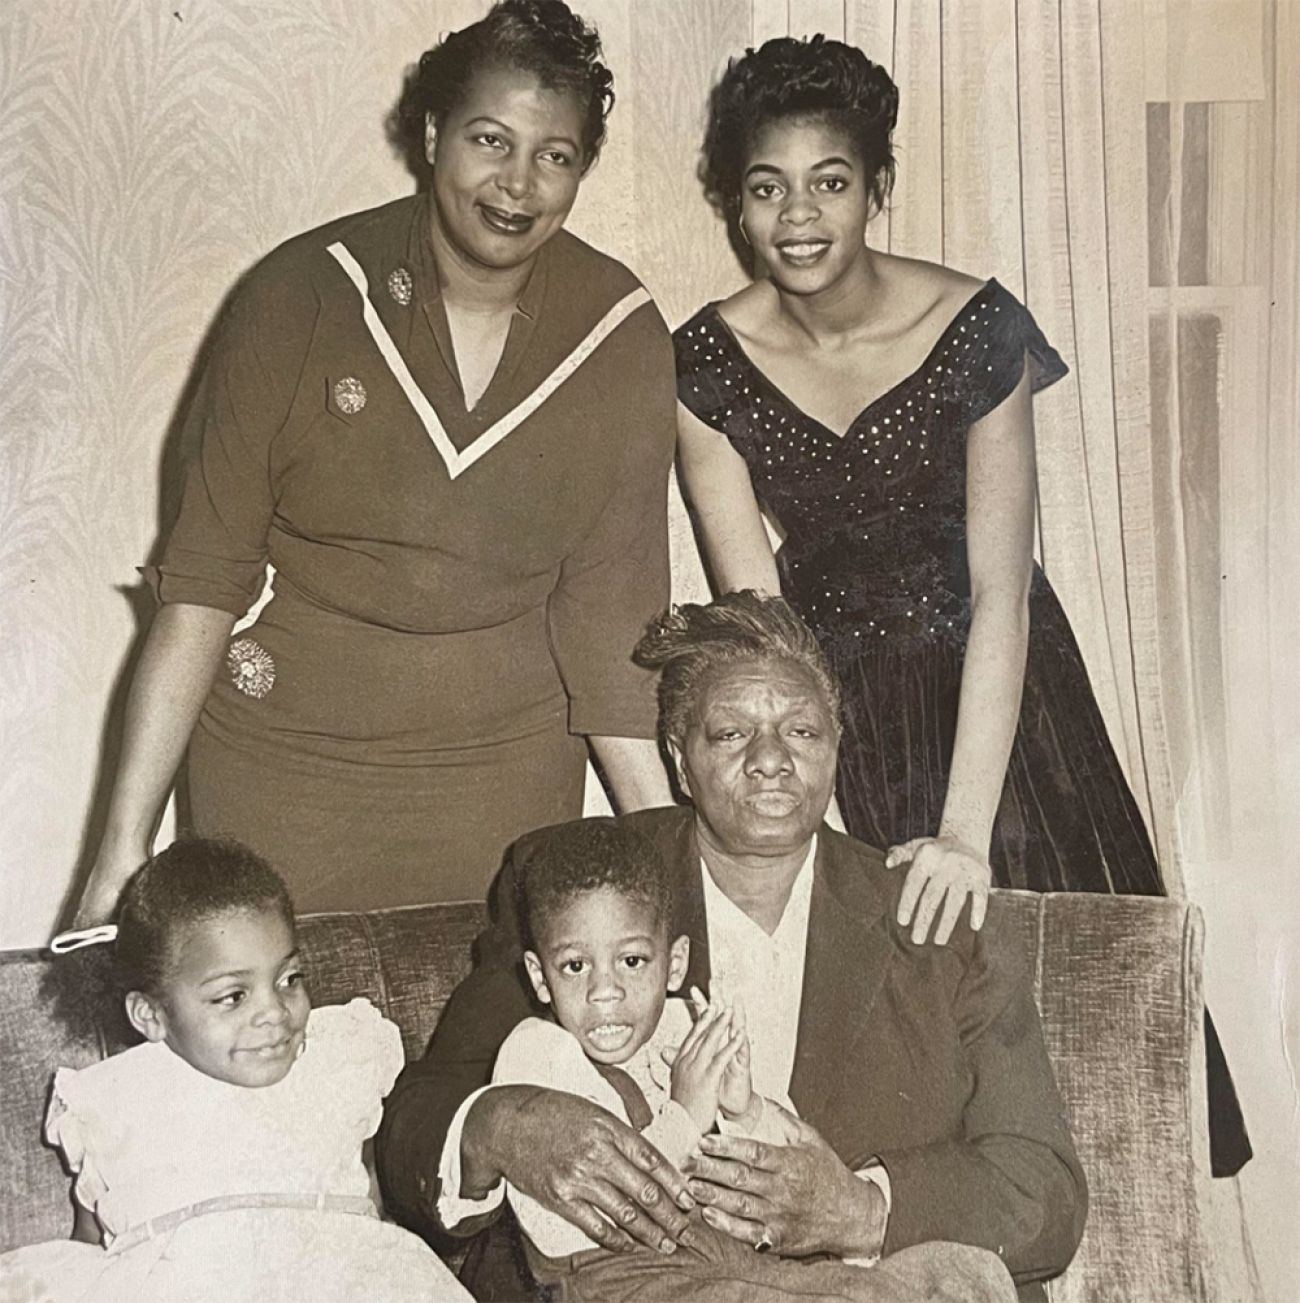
<point x="595" y="905"/>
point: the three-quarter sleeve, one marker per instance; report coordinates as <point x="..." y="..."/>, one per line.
<point x="615" y="581"/>
<point x="1011" y="342"/>
<point x="216" y="552"/>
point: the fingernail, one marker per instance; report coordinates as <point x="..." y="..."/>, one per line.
<point x="711" y="1217"/>
<point x="667" y="1246"/>
<point x="697" y="1188"/>
<point x="708" y="1143"/>
<point x="685" y="1201"/>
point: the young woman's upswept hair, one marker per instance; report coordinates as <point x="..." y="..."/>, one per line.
<point x="789" y="78"/>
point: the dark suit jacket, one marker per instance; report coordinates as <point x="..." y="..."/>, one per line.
<point x="929" y="1058"/>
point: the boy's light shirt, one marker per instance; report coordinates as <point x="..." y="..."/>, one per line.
<point x="544" y="1054"/>
<point x="539" y="1052"/>
<point x="453" y="1208"/>
<point x="765" y="972"/>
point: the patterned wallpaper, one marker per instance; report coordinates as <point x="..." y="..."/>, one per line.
<point x="148" y="154"/>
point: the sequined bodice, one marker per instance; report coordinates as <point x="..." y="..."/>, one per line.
<point x="874" y="521"/>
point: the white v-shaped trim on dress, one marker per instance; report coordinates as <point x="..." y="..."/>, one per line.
<point x="458" y="461"/>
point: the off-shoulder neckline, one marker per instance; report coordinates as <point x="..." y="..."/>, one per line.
<point x="710" y="309"/>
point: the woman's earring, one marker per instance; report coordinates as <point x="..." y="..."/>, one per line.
<point x="744" y="234"/>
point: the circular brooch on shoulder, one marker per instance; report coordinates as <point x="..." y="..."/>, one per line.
<point x="400" y="285"/>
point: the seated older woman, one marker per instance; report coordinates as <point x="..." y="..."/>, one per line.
<point x="920" y="1069"/>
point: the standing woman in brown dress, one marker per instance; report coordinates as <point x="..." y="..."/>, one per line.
<point x="880" y="409"/>
<point x="447" y="425"/>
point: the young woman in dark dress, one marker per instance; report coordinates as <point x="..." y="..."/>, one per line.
<point x="879" y="410"/>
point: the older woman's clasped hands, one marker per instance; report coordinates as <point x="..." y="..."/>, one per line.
<point x="797" y="1198"/>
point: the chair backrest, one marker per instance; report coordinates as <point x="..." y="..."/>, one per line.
<point x="1118" y="984"/>
<point x="1117" y="980"/>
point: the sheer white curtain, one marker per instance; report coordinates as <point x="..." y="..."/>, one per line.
<point x="1125" y="167"/>
<point x="1130" y="168"/>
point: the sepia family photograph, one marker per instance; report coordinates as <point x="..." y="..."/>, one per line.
<point x="650" y="650"/>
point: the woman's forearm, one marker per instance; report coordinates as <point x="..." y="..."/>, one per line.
<point x="716" y="483"/>
<point x="485" y="1137"/>
<point x="991" y="684"/>
<point x="736" y="568"/>
<point x="1000" y="551"/>
<point x="635" y="771"/>
<point x="180" y="657"/>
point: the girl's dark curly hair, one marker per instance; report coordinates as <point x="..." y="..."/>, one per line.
<point x="543" y="37"/>
<point x="193" y="879"/>
<point x="790" y="78"/>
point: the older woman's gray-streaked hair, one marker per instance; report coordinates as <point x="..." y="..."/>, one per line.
<point x="686" y="643"/>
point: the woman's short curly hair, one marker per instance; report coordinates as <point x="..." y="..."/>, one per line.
<point x="791" y="78"/>
<point x="688" y="642"/>
<point x="542" y="37"/>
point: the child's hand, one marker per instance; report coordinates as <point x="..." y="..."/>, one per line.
<point x="701" y="1061"/>
<point x="736" y="1093"/>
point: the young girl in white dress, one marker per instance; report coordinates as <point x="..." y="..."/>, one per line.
<point x="222" y="1158"/>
